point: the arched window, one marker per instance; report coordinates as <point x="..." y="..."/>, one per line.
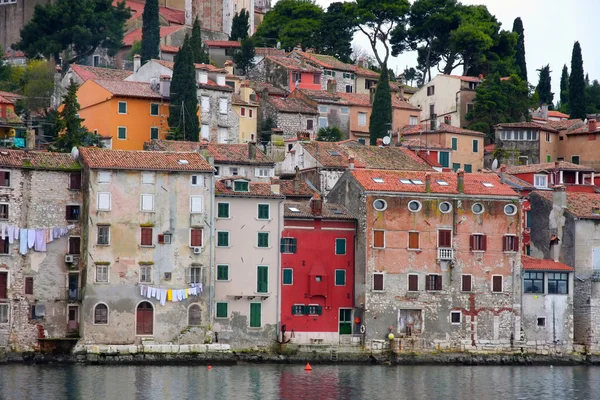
<point x="194" y="315"/>
<point x="101" y="314"/>
<point x="144" y="319"/>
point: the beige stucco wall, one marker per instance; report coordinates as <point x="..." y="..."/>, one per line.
<point x="582" y="146"/>
<point x="444" y="98"/>
<point x="548" y="148"/>
<point x="464" y="153"/>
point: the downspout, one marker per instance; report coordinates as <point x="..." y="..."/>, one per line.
<point x="212" y="235"/>
<point x="278" y="295"/>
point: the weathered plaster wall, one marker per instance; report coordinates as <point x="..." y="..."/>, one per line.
<point x="217" y="121"/>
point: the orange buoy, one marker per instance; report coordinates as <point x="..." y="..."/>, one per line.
<point x="209" y="367"/>
<point x="308" y="367"/>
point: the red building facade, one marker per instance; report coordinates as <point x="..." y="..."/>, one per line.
<point x="317" y="272"/>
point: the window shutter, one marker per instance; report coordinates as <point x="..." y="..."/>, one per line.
<point x="378" y="238"/>
<point x="319" y="310"/>
<point x="294" y="310"/>
<point x="340" y="246"/>
<point x="497" y="284"/>
<point x="378" y="282"/>
<point x="471" y="242"/>
<point x="504" y="243"/>
<point x="147" y="202"/>
<point x="438" y="282"/>
<point x="516" y="243"/>
<point x="413" y="240"/>
<point x="196" y="204"/>
<point x="188" y="275"/>
<point x="281" y="245"/>
<point x="413" y="283"/>
<point x="293" y="245"/>
<point x="483" y="242"/>
<point x="466" y="283"/>
<point x="104" y="201"/>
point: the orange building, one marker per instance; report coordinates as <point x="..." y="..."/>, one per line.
<point x="126" y="114"/>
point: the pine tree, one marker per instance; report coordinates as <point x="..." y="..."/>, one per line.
<point x="69" y="123"/>
<point x="564" y="89"/>
<point x="240" y="25"/>
<point x="381" y="116"/>
<point x="577" y="84"/>
<point x="183" y="108"/>
<point x="520" y="56"/>
<point x="244" y="57"/>
<point x="150" y="31"/>
<point x="544" y="87"/>
<point x="198" y="50"/>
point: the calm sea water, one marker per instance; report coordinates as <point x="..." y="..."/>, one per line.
<point x="292" y="382"/>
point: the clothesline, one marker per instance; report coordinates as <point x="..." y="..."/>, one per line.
<point x="29" y="238"/>
<point x="174" y="295"/>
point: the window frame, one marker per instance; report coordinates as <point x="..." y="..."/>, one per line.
<point x="283" y="280"/>
<point x="148" y="273"/>
<point x="540" y="176"/>
<point x="439" y="245"/>
<point x="335" y="276"/>
<point x="188" y="314"/>
<point x="412" y="202"/>
<point x="95" y="321"/>
<point x="288" y="245"/>
<point x="462" y="283"/>
<point x="96" y="274"/>
<point x="382" y="274"/>
<point x="192" y="209"/>
<point x="260" y="235"/>
<point x="452" y="314"/>
<point x="250" y="316"/>
<point x="4" y="216"/>
<point x="228" y="239"/>
<point x="449" y="207"/>
<point x="152" y="105"/>
<point x="479" y="245"/>
<point x="514" y="247"/>
<point x="258" y="211"/>
<point x="528" y="278"/>
<point x="475" y="145"/>
<point x="152" y="130"/>
<point x="336" y="247"/>
<point x="359" y="115"/>
<point x="192" y="230"/>
<point x="501" y="283"/>
<point x="219" y="204"/>
<point x="549" y="279"/>
<point x="418" y="240"/>
<point x="258" y="286"/>
<point x="78" y="179"/>
<point x="511" y="214"/>
<point x="142" y="195"/>
<point x="144" y="175"/>
<point x="408" y="286"/>
<point x="7" y="307"/>
<point x="69" y="215"/>
<point x="119" y="128"/>
<point x="436" y="287"/>
<point x="236" y="189"/>
<point x="226" y="269"/>
<point x="223" y="101"/>
<point x="5" y="178"/>
<point x="374" y="238"/>
<point x="122" y="103"/>
<point x="103" y="194"/>
<point x="146" y="229"/>
<point x="99" y="235"/>
<point x="217" y="309"/>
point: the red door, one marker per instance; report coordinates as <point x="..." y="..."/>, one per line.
<point x="145" y="319"/>
<point x="3" y="284"/>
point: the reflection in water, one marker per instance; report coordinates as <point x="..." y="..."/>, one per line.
<point x="291" y="382"/>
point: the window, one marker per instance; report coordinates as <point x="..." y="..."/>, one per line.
<point x="533" y="282"/>
<point x="362" y="119"/>
<point x="378" y="281"/>
<point x="510" y="243"/>
<point x="222" y="239"/>
<point x="250" y="112"/>
<point x="445" y="207"/>
<point x="263" y="172"/>
<point x="74" y="245"/>
<point x="38" y="311"/>
<point x="323" y="122"/>
<point x="448" y="119"/>
<point x="475" y="146"/>
<point x="349" y="89"/>
<point x="104" y="176"/>
<point x="145" y="274"/>
<point x="288" y="276"/>
<point x="379" y="205"/>
<point x="4" y="246"/>
<point x="223" y="105"/>
<point x="204" y="131"/>
<point x="496" y="283"/>
<point x="103" y="234"/>
<point x="288" y="245"/>
<point x="541" y="321"/>
<point x="558" y="283"/>
<point x="103" y="201"/>
<point x="4" y="310"/>
<point x="454" y="143"/>
<point x="165" y="238"/>
<point x="73" y="213"/>
<point x="548" y="137"/>
<point x="255" y="315"/>
<point x="101" y="273"/>
<point x="233" y="171"/>
<point x="298" y="309"/>
<point x="540" y="181"/>
<point x="413" y="240"/>
<point x="121" y="132"/>
<point x="413" y="283"/>
<point x="465" y="283"/>
<point x="510" y="209"/>
<point x="340" y="246"/>
<point x="477" y="208"/>
<point x="344" y="110"/>
<point x="413" y="120"/>
<point x="222" y="310"/>
<point x="29" y="285"/>
<point x="5" y="178"/>
<point x="262" y="279"/>
<point x="205" y="102"/>
<point x="433" y="282"/>
<point x="468" y="168"/>
<point x="75" y="181"/>
<point x="263" y="239"/>
<point x="455" y="166"/>
<point x="3" y="211"/>
<point x="101" y="314"/>
<point x="153" y="133"/>
<point x="470" y="107"/>
<point x="329" y="73"/>
<point x="146" y="237"/>
<point x="196" y="237"/>
<point x="296" y="77"/>
<point x="322" y="109"/>
<point x="3" y="285"/>
<point x="340" y="277"/>
<point x="153" y="109"/>
<point x="316" y="79"/>
<point x="147" y="202"/>
<point x="478" y="242"/>
<point x="263" y="211"/>
<point x="309" y="124"/>
<point x="222" y="272"/>
<point x="444" y="238"/>
<point x="455" y="317"/>
<point x="575" y="159"/>
<point x="548" y="158"/>
<point x="223" y="210"/>
<point x="194" y="275"/>
<point x="148" y="178"/>
<point x="243" y="111"/>
<point x="122" y="107"/>
<point x="196" y="204"/>
<point x="444" y="159"/>
<point x="379" y="239"/>
<point x="194" y="315"/>
<point x="430" y="90"/>
<point x="240" y="186"/>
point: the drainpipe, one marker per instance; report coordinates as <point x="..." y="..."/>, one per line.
<point x="278" y="295"/>
<point x="212" y="235"/>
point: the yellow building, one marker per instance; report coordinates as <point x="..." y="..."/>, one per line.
<point x="244" y="104"/>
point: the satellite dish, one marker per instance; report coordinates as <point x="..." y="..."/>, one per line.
<point x="495" y="163"/>
<point x="74" y="153"/>
<point x="386" y="140"/>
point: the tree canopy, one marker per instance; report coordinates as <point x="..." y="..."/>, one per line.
<point x="577" y="84"/>
<point x="336" y="33"/>
<point x="150" y="31"/>
<point x="564" y="90"/>
<point x="244" y="57"/>
<point x="200" y="55"/>
<point x="544" y="87"/>
<point x="329" y="134"/>
<point x="240" y="25"/>
<point x="520" y="55"/>
<point x="381" y="115"/>
<point x="82" y="25"/>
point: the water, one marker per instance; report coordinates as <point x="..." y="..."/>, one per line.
<point x="291" y="382"/>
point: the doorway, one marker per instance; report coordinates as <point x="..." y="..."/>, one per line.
<point x="345" y="321"/>
<point x="144" y="319"/>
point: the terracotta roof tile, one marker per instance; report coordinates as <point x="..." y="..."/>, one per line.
<point x="260" y="87"/>
<point x="38" y="160"/>
<point x="568" y="124"/>
<point x="268" y="51"/>
<point x="222" y="153"/>
<point x="473" y="184"/>
<point x="583" y="130"/>
<point x="325" y="61"/>
<point x="465" y="78"/>
<point x="169" y="49"/>
<point x="291" y="105"/>
<point x="143" y="160"/>
<point x="364" y="100"/>
<point x="538" y="264"/>
<point x="205" y="67"/>
<point x="255" y="189"/>
<point x="364" y="72"/>
<point x="557" y="114"/>
<point x="329" y="211"/>
<point x="136" y="35"/>
<point x="292" y="64"/>
<point x="442" y="128"/>
<point x="489" y="148"/>
<point x="128" y="89"/>
<point x="517" y="183"/>
<point x="423" y="144"/>
<point x="551" y="166"/>
<point x="581" y="205"/>
<point x="222" y="43"/>
<point x="170" y="14"/>
<point x="288" y="188"/>
<point x="12" y="97"/>
<point x="86" y="72"/>
<point x="528" y="125"/>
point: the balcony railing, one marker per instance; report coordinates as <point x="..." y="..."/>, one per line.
<point x="445" y="253"/>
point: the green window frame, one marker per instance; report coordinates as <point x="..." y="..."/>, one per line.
<point x="222" y="239"/>
<point x="475" y="146"/>
<point x="240" y="186"/>
<point x="154" y="109"/>
<point x="288" y="276"/>
<point x="222" y="310"/>
<point x="549" y="158"/>
<point x="223" y="272"/>
<point x="263" y="211"/>
<point x="222" y="210"/>
<point x="313" y="309"/>
<point x="454" y="143"/>
<point x="298" y="309"/>
<point x="122" y="107"/>
<point x="153" y="133"/>
<point x="455" y="166"/>
<point x="340" y="246"/>
<point x="444" y="159"/>
<point x="262" y="279"/>
<point x="263" y="239"/>
<point x="575" y="160"/>
<point x="122" y="132"/>
<point x="288" y="245"/>
<point x="255" y="315"/>
<point x="468" y="168"/>
<point x="340" y="277"/>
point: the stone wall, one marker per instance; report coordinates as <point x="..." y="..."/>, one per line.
<point x="215" y="120"/>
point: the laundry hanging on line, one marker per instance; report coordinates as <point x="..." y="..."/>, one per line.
<point x="36" y="238"/>
<point x="173" y="295"/>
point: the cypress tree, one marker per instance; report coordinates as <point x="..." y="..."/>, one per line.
<point x="244" y="57"/>
<point x="183" y="109"/>
<point x="381" y="114"/>
<point x="69" y="123"/>
<point x="520" y="55"/>
<point x="577" y="84"/>
<point x="564" y="88"/>
<point x="544" y="87"/>
<point x="200" y="54"/>
<point x="150" y="31"/>
<point x="240" y="25"/>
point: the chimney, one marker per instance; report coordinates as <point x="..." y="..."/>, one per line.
<point x="188" y="13"/>
<point x="251" y="151"/>
<point x="592" y="125"/>
<point x="229" y="67"/>
<point x="380" y="142"/>
<point x="332" y="86"/>
<point x="460" y="181"/>
<point x="371" y="95"/>
<point x="361" y="62"/>
<point x="211" y="161"/>
<point x="351" y="162"/>
<point x="559" y="197"/>
<point x="165" y="86"/>
<point x="275" y="189"/>
<point x="427" y="182"/>
<point x="502" y="172"/>
<point x="316" y="205"/>
<point x="480" y="77"/>
<point x="137" y="62"/>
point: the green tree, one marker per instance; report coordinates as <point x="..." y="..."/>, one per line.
<point x="183" y="108"/>
<point x="73" y="133"/>
<point x="150" y="31"/>
<point x="82" y="25"/>
<point x="291" y="23"/>
<point x="4" y="68"/>
<point x="244" y="57"/>
<point x="520" y="56"/>
<point x="240" y="25"/>
<point x="199" y="52"/>
<point x="577" y="84"/>
<point x="136" y="48"/>
<point x="336" y="33"/>
<point x="409" y="75"/>
<point x="329" y="134"/>
<point x="544" y="87"/>
<point x="564" y="90"/>
<point x="592" y="94"/>
<point x="381" y="116"/>
<point x="38" y="86"/>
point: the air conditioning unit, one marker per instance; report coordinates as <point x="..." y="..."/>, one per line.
<point x="69" y="258"/>
<point x="197" y="250"/>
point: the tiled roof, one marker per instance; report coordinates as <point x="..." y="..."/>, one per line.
<point x="10" y="53"/>
<point x="222" y="43"/>
<point x="364" y="72"/>
<point x="569" y="124"/>
<point x="489" y="148"/>
<point x="268" y="51"/>
<point x="517" y="183"/>
<point x="222" y="153"/>
<point x="38" y="160"/>
<point x="85" y="72"/>
<point x="143" y="160"/>
<point x="423" y="144"/>
<point x="329" y="211"/>
<point x="170" y="14"/>
<point x="324" y="96"/>
<point x="260" y="87"/>
<point x="205" y="67"/>
<point x="291" y="105"/>
<point x="169" y="49"/>
<point x="558" y="114"/>
<point x="364" y="100"/>
<point x="128" y="89"/>
<point x="465" y="78"/>
<point x="255" y="189"/>
<point x="11" y="117"/>
<point x="583" y="130"/>
<point x="288" y="188"/>
<point x="582" y="205"/>
<point x="325" y="61"/>
<point x="538" y="264"/>
<point x="136" y="35"/>
<point x="12" y="97"/>
<point x="442" y="128"/>
<point x="527" y="125"/>
<point x="473" y="184"/>
<point x="292" y="64"/>
<point x="551" y="166"/>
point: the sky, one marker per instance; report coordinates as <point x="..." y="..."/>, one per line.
<point x="551" y="28"/>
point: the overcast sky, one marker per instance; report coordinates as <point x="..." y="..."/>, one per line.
<point x="551" y="28"/>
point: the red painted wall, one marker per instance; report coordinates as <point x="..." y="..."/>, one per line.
<point x="315" y="253"/>
<point x="305" y="83"/>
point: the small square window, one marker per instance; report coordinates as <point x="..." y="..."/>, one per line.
<point x="223" y="210"/>
<point x="222" y="272"/>
<point x="222" y="239"/>
<point x="154" y="109"/>
<point x="222" y="310"/>
<point x="298" y="309"/>
<point x="263" y="211"/>
<point x="197" y="180"/>
<point x="340" y="277"/>
<point x="455" y="317"/>
<point x="122" y="107"/>
<point x="104" y="176"/>
<point x="263" y="239"/>
<point x="541" y="321"/>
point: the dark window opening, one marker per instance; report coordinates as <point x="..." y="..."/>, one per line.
<point x="433" y="282"/>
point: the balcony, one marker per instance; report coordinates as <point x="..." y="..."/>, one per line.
<point x="445" y="253"/>
<point x="73" y="295"/>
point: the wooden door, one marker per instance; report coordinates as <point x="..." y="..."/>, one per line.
<point x="145" y="319"/>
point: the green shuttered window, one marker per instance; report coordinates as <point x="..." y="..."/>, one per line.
<point x="340" y="246"/>
<point x="255" y="315"/>
<point x="288" y="276"/>
<point x="222" y="310"/>
<point x="262" y="279"/>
